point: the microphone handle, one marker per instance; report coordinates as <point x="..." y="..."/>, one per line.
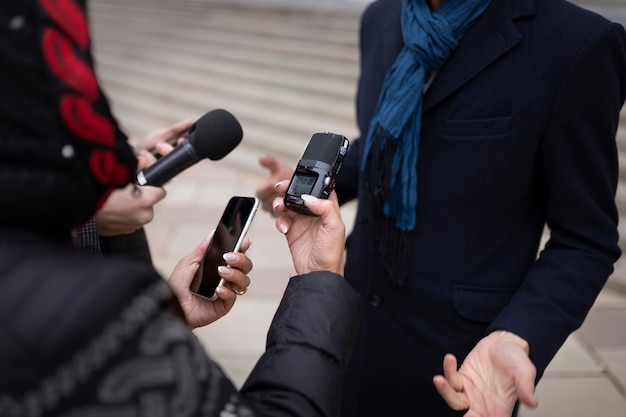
<point x="166" y="168"/>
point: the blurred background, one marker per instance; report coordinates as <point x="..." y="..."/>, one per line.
<point x="287" y="69"/>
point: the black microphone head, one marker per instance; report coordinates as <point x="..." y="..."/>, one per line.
<point x="215" y="134"/>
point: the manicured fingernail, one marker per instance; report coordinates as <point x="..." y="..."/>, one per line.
<point x="224" y="270"/>
<point x="276" y="204"/>
<point x="229" y="257"/>
<point x="277" y="184"/>
<point x="220" y="290"/>
<point x="310" y="198"/>
<point x="282" y="228"/>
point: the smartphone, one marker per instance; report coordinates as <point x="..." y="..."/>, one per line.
<point x="228" y="236"/>
<point x="317" y="169"/>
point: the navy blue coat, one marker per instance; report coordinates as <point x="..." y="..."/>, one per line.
<point x="518" y="133"/>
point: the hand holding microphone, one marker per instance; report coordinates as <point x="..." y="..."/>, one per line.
<point x="213" y="136"/>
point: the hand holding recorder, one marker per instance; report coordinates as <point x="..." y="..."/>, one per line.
<point x="317" y="170"/>
<point x="315" y="173"/>
<point x="316" y="241"/>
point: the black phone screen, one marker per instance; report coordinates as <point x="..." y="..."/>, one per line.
<point x="227" y="237"/>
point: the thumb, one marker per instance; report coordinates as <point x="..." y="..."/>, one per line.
<point x="525" y="387"/>
<point x="327" y="209"/>
<point x="198" y="252"/>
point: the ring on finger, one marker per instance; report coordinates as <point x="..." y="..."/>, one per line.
<point x="239" y="292"/>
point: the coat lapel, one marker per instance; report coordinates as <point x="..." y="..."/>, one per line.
<point x="496" y="34"/>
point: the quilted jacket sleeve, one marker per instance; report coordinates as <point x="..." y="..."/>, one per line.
<point x="308" y="346"/>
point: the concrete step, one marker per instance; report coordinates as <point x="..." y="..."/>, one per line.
<point x="170" y="65"/>
<point x="283" y="73"/>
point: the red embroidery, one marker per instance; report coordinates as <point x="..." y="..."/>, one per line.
<point x="107" y="169"/>
<point x="62" y="51"/>
<point x="104" y="198"/>
<point x="80" y="117"/>
<point x="70" y="19"/>
<point x="61" y="59"/>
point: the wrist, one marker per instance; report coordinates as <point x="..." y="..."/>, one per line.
<point x="505" y="336"/>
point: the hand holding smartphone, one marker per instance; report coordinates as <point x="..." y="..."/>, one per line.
<point x="228" y="236"/>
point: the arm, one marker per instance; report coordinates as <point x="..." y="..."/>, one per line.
<point x="134" y="347"/>
<point x="117" y="228"/>
<point x="119" y="223"/>
<point x="125" y="236"/>
<point x="315" y="327"/>
<point x="139" y="354"/>
<point x="129" y="209"/>
<point x="579" y="163"/>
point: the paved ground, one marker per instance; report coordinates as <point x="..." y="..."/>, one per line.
<point x="586" y="379"/>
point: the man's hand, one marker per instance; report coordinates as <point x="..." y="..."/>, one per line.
<point x="495" y="374"/>
<point x="200" y="311"/>
<point x="279" y="171"/>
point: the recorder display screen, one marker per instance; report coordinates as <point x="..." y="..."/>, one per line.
<point x="302" y="184"/>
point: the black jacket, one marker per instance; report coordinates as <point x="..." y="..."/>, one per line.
<point x="518" y="134"/>
<point x="59" y="142"/>
<point x="81" y="334"/>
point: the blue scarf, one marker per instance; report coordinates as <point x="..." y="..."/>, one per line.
<point x="392" y="147"/>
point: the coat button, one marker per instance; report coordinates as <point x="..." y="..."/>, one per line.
<point x="375" y="300"/>
<point x="17" y="22"/>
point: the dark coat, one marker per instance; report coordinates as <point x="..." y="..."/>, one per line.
<point x="83" y="334"/>
<point x="518" y="133"/>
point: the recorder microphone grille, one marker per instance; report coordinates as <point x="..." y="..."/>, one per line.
<point x="323" y="147"/>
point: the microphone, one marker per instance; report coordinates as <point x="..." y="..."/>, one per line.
<point x="212" y="136"/>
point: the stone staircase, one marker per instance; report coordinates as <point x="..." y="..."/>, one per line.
<point x="284" y="72"/>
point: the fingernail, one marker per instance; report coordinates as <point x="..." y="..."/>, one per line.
<point x="229" y="257"/>
<point x="310" y="198"/>
<point x="220" y="290"/>
<point x="224" y="270"/>
<point x="276" y="204"/>
<point x="282" y="228"/>
<point x="277" y="184"/>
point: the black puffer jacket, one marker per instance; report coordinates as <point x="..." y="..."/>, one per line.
<point x="83" y="335"/>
